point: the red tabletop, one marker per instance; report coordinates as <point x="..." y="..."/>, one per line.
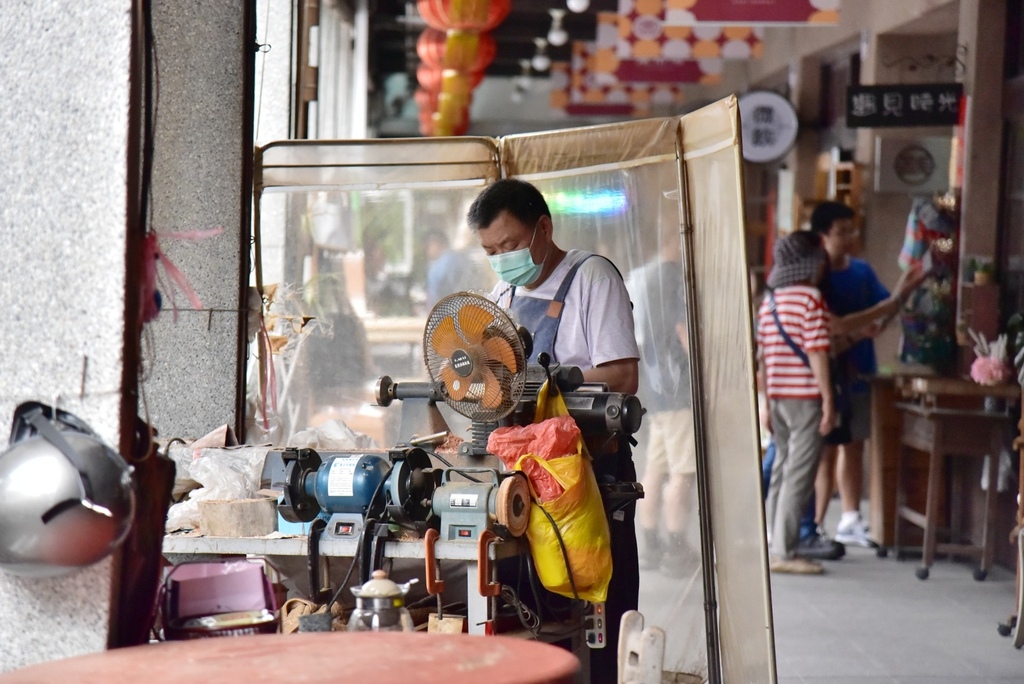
<point x="312" y="657"/>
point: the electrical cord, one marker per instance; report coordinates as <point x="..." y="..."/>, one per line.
<point x="531" y="575"/>
<point x="344" y="582"/>
<point x="376" y="493"/>
<point x="359" y="547"/>
<point x="348" y="573"/>
<point x="447" y="463"/>
<point x="527" y="618"/>
<point x="572" y="582"/>
<point x="565" y="553"/>
<point x="532" y="619"/>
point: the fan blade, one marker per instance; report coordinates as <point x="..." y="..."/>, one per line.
<point x="473" y="320"/>
<point x="492" y="389"/>
<point x="498" y="349"/>
<point x="444" y="340"/>
<point x="456" y="385"/>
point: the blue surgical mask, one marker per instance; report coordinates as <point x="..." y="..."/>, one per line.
<point x="517" y="267"/>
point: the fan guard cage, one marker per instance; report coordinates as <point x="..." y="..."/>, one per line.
<point x="471" y="347"/>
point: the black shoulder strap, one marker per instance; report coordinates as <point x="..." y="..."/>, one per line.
<point x="782" y="331"/>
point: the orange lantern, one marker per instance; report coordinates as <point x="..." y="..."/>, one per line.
<point x="431" y="126"/>
<point x="459" y="84"/>
<point x="460" y="50"/>
<point x="465" y="15"/>
<point x="446" y="126"/>
<point x="453" y="108"/>
<point x="425" y="100"/>
<point x="433" y="80"/>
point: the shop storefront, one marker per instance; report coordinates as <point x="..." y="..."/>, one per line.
<point x="904" y="121"/>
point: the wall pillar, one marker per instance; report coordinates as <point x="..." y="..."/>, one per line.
<point x="195" y="365"/>
<point x="982" y="27"/>
<point x="69" y="211"/>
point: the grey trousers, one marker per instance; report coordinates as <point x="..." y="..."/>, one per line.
<point x="798" y="447"/>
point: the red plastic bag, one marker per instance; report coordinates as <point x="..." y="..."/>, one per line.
<point x="548" y="439"/>
<point x="544" y="484"/>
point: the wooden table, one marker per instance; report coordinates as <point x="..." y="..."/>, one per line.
<point x="946" y="433"/>
<point x="378" y="657"/>
<point x="886" y="428"/>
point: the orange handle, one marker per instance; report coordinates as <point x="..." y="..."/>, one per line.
<point x="483" y="561"/>
<point x="434" y="586"/>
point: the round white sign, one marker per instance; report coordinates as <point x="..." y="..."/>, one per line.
<point x="769" y="124"/>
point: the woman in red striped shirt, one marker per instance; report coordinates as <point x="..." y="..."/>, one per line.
<point x="793" y="348"/>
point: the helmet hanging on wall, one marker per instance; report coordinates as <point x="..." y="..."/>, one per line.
<point x="66" y="498"/>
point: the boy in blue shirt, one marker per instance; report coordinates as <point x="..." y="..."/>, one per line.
<point x="850" y="286"/>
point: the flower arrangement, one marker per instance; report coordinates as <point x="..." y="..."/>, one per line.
<point x="991" y="366"/>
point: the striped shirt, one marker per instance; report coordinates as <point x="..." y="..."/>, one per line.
<point x="805" y="317"/>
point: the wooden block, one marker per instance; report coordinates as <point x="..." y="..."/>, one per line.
<point x="446" y="625"/>
<point x="238" y="517"/>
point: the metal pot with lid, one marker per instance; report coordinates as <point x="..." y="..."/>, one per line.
<point x="380" y="606"/>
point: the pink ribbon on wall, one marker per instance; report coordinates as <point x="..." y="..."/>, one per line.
<point x="153" y="282"/>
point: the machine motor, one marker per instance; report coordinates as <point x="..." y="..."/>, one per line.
<point x="345" y="487"/>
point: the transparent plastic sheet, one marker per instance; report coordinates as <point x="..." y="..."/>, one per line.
<point x="367" y="267"/>
<point x="627" y="209"/>
<point x="727" y="401"/>
<point x="613" y="190"/>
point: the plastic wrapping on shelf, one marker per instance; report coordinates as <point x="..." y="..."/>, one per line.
<point x="230" y="473"/>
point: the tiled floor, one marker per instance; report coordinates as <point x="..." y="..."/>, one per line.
<point x="870" y="620"/>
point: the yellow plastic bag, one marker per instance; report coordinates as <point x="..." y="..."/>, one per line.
<point x="578" y="515"/>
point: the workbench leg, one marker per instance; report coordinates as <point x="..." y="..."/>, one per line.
<point x="900" y="497"/>
<point x="931" y="512"/>
<point x="476" y="605"/>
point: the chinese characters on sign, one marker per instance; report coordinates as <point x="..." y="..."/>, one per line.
<point x="928" y="104"/>
<point x="764" y="120"/>
<point x="769" y="125"/>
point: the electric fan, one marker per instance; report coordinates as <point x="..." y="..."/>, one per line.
<point x="472" y="348"/>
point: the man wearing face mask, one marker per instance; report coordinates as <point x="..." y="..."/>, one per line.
<point x="574" y="303"/>
<point x="576" y="307"/>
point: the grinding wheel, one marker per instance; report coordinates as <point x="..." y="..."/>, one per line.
<point x="513" y="504"/>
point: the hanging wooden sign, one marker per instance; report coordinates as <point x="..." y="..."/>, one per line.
<point x="903" y="104"/>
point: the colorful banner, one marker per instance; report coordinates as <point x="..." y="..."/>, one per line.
<point x="647" y="48"/>
<point x="749" y="12"/>
<point x="646" y="33"/>
<point x="585" y="87"/>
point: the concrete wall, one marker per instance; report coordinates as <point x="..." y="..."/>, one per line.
<point x="64" y="121"/>
<point x="64" y="229"/>
<point x="203" y="143"/>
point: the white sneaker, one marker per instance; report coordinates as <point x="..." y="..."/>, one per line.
<point x="856" y="533"/>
